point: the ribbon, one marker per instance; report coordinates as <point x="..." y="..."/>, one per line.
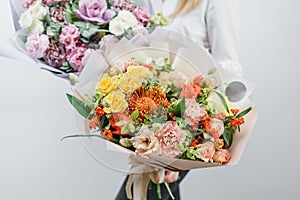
<point x="139" y="178"/>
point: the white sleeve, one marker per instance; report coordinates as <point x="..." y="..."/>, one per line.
<point x="222" y="18"/>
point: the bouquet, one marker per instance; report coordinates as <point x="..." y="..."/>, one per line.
<point x="170" y="115"/>
<point x="63" y="33"/>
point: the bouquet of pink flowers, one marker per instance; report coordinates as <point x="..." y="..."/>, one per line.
<point x="63" y="33"/>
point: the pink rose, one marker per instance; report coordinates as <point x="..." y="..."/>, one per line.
<point x="190" y="91"/>
<point x="27" y="3"/>
<point x="142" y="15"/>
<point x="170" y="136"/>
<point x="206" y="151"/>
<point x="215" y="130"/>
<point x="75" y="57"/>
<point x="198" y="80"/>
<point x="222" y="156"/>
<point x="94" y="11"/>
<point x="178" y="79"/>
<point x="69" y="36"/>
<point x="36" y="45"/>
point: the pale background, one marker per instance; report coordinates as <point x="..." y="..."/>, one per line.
<point x="35" y="114"/>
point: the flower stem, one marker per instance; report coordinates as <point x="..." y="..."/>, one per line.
<point x="158" y="190"/>
<point x="169" y="190"/>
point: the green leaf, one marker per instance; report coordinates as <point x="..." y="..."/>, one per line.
<point x="134" y="115"/>
<point x="124" y="129"/>
<point x="80" y="106"/>
<point x="244" y="112"/>
<point x="179" y="109"/>
<point x="121" y="123"/>
<point x="228" y="137"/>
<point x="223" y="101"/>
<point x="131" y="128"/>
<point x="75" y="136"/>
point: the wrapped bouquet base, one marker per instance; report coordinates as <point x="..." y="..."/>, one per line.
<point x="160" y="103"/>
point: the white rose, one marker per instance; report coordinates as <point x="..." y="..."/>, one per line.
<point x="116" y="27"/>
<point x="128" y="18"/>
<point x="25" y="20"/>
<point x="37" y="27"/>
<point x="37" y="10"/>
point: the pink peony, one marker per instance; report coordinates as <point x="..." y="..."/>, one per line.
<point x="94" y="11"/>
<point x="69" y="36"/>
<point x="190" y="91"/>
<point x="222" y="156"/>
<point x="170" y="136"/>
<point x="142" y="15"/>
<point x="215" y="130"/>
<point x="27" y="3"/>
<point x="75" y="57"/>
<point x="206" y="151"/>
<point x="36" y="45"/>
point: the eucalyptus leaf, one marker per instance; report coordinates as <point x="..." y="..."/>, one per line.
<point x="80" y="106"/>
<point x="121" y="123"/>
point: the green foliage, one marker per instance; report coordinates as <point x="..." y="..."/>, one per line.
<point x="223" y="101"/>
<point x="80" y="106"/>
<point x="244" y="112"/>
<point x="179" y="109"/>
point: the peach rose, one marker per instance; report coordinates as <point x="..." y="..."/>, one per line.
<point x="219" y="143"/>
<point x="222" y="156"/>
<point x="198" y="80"/>
<point x="206" y="151"/>
<point x="215" y="130"/>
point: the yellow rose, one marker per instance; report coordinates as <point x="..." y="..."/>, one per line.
<point x="107" y="85"/>
<point x="129" y="83"/>
<point x="139" y="71"/>
<point x="116" y="102"/>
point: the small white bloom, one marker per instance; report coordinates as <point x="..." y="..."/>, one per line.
<point x="128" y="18"/>
<point x="37" y="27"/>
<point x="116" y="27"/>
<point x="148" y="60"/>
<point x="25" y="20"/>
<point x="160" y="62"/>
<point x="37" y="10"/>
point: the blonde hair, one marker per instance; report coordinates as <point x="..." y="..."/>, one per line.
<point x="184" y="6"/>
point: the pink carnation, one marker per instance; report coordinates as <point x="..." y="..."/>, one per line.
<point x="69" y="36"/>
<point x="50" y="2"/>
<point x="193" y="111"/>
<point x="27" y="3"/>
<point x="36" y="45"/>
<point x="142" y="15"/>
<point x="75" y="57"/>
<point x="169" y="137"/>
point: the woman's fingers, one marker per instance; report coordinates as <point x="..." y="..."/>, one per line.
<point x="171" y="176"/>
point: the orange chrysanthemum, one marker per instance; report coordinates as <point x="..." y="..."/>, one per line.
<point x="146" y="100"/>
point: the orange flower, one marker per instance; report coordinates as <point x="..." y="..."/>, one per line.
<point x="235" y="111"/>
<point x="108" y="134"/>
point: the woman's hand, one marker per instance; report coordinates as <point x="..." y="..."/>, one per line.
<point x="171" y="176"/>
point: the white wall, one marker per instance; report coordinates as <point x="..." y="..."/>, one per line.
<point x="35" y="114"/>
